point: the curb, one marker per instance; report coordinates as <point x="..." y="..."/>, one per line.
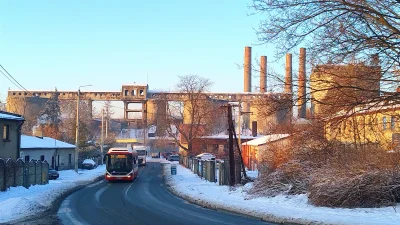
<point x="51" y="212"/>
<point x="220" y="207"/>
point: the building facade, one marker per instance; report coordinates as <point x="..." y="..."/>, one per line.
<point x="10" y="133"/>
<point x="60" y="155"/>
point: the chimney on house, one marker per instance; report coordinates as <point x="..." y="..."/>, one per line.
<point x="254" y="128"/>
<point x="263" y="74"/>
<point x="37" y="131"/>
<point x="301" y="102"/>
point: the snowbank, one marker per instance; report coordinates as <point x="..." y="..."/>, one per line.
<point x="19" y="202"/>
<point x="278" y="209"/>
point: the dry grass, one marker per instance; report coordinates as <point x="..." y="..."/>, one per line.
<point x="335" y="175"/>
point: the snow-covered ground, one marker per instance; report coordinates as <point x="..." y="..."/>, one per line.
<point x="278" y="209"/>
<point x="19" y="202"/>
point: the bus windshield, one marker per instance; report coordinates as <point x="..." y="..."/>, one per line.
<point x="119" y="163"/>
<point x="141" y="152"/>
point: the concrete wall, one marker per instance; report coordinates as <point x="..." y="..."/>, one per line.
<point x="9" y="148"/>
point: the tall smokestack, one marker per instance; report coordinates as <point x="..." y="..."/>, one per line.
<point x="263" y="74"/>
<point x="247" y="69"/>
<point x="302" y="84"/>
<point x="288" y="76"/>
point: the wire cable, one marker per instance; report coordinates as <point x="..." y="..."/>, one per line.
<point x="20" y="86"/>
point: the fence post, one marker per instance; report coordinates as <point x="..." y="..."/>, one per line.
<point x="2" y="175"/>
<point x="38" y="172"/>
<point x="212" y="171"/>
<point x="45" y="172"/>
<point x="10" y="170"/>
<point x="19" y="172"/>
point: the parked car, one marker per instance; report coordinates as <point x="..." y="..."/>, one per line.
<point x="88" y="164"/>
<point x="155" y="155"/>
<point x="205" y="156"/>
<point x="53" y="174"/>
<point x="173" y="158"/>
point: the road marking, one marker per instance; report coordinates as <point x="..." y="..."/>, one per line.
<point x="65" y="213"/>
<point x="99" y="193"/>
<point x="94" y="184"/>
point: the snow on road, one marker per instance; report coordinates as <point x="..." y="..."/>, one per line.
<point x="19" y="202"/>
<point x="277" y="209"/>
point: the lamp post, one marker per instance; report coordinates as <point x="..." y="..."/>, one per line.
<point x="77" y="128"/>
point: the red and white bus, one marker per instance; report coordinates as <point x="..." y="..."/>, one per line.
<point x="121" y="164"/>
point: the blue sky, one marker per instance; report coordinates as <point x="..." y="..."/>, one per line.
<point x="65" y="44"/>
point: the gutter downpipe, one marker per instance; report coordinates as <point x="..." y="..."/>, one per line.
<point x="19" y="139"/>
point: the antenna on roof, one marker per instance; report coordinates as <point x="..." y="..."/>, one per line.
<point x="147" y="81"/>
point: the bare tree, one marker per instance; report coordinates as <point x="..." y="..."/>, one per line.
<point x="196" y="115"/>
<point x="352" y="47"/>
<point x="86" y="130"/>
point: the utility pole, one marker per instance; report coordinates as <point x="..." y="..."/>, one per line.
<point x="231" y="152"/>
<point x="102" y="136"/>
<point x="77" y="131"/>
<point x="106" y="127"/>
<point x="239" y="125"/>
<point x="77" y="127"/>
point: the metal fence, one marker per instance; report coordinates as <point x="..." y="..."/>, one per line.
<point x="20" y="173"/>
<point x="211" y="170"/>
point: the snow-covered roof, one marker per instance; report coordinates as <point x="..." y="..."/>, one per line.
<point x="367" y="108"/>
<point x="225" y="136"/>
<point x="134" y="84"/>
<point x="10" y="116"/>
<point x="265" y="139"/>
<point x="39" y="143"/>
<point x="300" y="121"/>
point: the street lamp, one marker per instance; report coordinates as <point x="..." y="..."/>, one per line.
<point x="77" y="127"/>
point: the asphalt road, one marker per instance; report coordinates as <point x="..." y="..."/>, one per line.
<point x="144" y="201"/>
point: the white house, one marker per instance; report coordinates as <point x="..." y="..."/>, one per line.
<point x="60" y="155"/>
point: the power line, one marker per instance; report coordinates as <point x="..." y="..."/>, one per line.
<point x="10" y="79"/>
<point x="19" y="85"/>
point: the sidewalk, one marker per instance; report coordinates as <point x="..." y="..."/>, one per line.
<point x="19" y="202"/>
<point x="279" y="209"/>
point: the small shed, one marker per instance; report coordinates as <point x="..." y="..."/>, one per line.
<point x="60" y="155"/>
<point x="265" y="148"/>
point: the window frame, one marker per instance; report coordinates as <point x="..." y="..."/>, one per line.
<point x="6" y="133"/>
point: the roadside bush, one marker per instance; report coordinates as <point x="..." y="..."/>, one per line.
<point x="290" y="178"/>
<point x="350" y="189"/>
<point x="333" y="174"/>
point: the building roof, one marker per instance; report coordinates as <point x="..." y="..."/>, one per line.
<point x="226" y="136"/>
<point x="32" y="142"/>
<point x="265" y="139"/>
<point x="10" y="116"/>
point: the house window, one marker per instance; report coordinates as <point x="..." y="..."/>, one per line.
<point x="384" y="123"/>
<point x="392" y="122"/>
<point x="203" y="147"/>
<point x="27" y="158"/>
<point x="141" y="92"/>
<point x="6" y="132"/>
<point x="69" y="159"/>
<point x="126" y="92"/>
<point x="42" y="158"/>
